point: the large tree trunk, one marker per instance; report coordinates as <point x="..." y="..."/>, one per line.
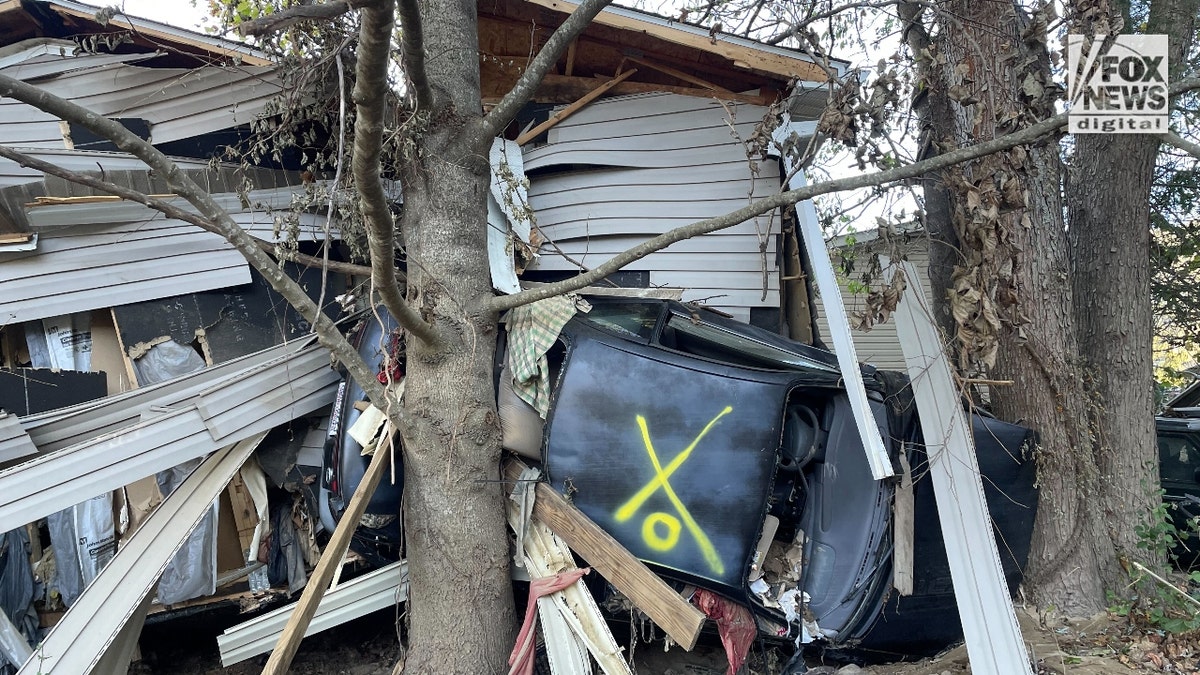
<point x="1007" y="290"/>
<point x="460" y="606"/>
<point x="1108" y="201"/>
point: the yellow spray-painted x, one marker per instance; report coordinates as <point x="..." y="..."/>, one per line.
<point x="662" y="480"/>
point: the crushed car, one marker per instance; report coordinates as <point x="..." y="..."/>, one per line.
<point x="727" y="458"/>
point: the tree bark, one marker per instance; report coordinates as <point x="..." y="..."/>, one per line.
<point x="1007" y="285"/>
<point x="460" y="606"/>
<point x="1108" y="206"/>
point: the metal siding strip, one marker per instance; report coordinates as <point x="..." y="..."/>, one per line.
<point x="79" y="640"/>
<point x="350" y="600"/>
<point x="222" y="275"/>
<point x="122" y="211"/>
<point x="583" y="226"/>
<point x="55" y="65"/>
<point x="609" y="245"/>
<point x="553" y="155"/>
<point x="14" y="442"/>
<point x="298" y="397"/>
<point x="994" y="642"/>
<point x="52" y="482"/>
<point x="60" y="428"/>
<point x="718" y="170"/>
<point x="261" y="380"/>
<point x="619" y="193"/>
<point x="742" y="260"/>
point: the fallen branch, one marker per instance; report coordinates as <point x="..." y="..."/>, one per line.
<point x="374" y="41"/>
<point x="1166" y="583"/>
<point x="277" y="21"/>
<point x="1182" y="143"/>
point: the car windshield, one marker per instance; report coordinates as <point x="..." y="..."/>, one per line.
<point x="628" y="319"/>
<point x="715" y="342"/>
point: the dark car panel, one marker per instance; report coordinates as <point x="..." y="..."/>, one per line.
<point x="928" y="620"/>
<point x="846" y="519"/>
<point x="678" y="431"/>
<point x="345" y="464"/>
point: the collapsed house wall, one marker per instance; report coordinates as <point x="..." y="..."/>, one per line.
<point x="630" y="167"/>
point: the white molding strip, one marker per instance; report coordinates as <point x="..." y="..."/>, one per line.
<point x="381" y="588"/>
<point x="78" y="642"/>
<point x="994" y="642"/>
<point x="835" y="312"/>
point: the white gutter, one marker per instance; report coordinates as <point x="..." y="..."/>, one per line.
<point x="994" y="642"/>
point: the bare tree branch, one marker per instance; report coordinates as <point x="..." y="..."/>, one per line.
<point x="374" y="41"/>
<point x="183" y="185"/>
<point x="490" y="126"/>
<point x="412" y="40"/>
<point x="1028" y="135"/>
<point x="273" y="23"/>
<point x="171" y="211"/>
<point x="1182" y="143"/>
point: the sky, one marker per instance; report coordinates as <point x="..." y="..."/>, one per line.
<point x="182" y="13"/>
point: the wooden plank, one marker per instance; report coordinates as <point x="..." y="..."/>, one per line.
<point x="678" y="74"/>
<point x="560" y="89"/>
<point x="571" y="57"/>
<point x="245" y="515"/>
<point x="761" y="60"/>
<point x="673" y="614"/>
<point x="331" y="558"/>
<point x="994" y="642"/>
<point x="903" y="522"/>
<point x="574" y="107"/>
<point x="15" y="237"/>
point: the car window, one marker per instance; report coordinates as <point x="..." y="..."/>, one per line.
<point x="627" y="319"/>
<point x="717" y="343"/>
<point x="1179" y="457"/>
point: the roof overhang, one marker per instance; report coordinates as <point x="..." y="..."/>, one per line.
<point x="21" y="21"/>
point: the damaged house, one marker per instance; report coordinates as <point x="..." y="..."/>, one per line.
<point x="151" y="380"/>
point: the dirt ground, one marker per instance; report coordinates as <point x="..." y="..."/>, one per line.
<point x="1105" y="645"/>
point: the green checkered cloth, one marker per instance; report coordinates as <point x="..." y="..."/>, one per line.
<point x="532" y="330"/>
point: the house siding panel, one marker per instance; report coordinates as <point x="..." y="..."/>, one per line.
<point x="637" y="166"/>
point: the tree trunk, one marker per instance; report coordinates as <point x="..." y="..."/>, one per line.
<point x="1007" y="286"/>
<point x="460" y="606"/>
<point x="1108" y="203"/>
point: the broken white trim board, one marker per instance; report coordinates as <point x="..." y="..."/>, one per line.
<point x="360" y="596"/>
<point x="994" y="642"/>
<point x="572" y="611"/>
<point x="835" y="312"/>
<point x="79" y="641"/>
